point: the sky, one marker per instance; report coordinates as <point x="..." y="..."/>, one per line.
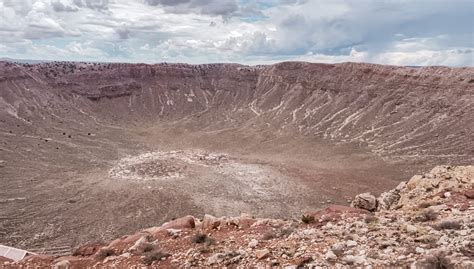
<point x="397" y="32"/>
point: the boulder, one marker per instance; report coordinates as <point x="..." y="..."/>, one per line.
<point x="365" y="201"/>
<point x="180" y="223"/>
<point x="210" y="222"/>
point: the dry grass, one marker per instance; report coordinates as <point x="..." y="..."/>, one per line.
<point x="427" y="215"/>
<point x="448" y="225"/>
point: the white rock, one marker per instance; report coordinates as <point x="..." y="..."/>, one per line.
<point x="216" y="258"/>
<point x="126" y="255"/>
<point x="351" y="243"/>
<point x="253" y="243"/>
<point x="419" y="250"/>
<point x="351" y="259"/>
<point x="330" y="256"/>
<point x="174" y="232"/>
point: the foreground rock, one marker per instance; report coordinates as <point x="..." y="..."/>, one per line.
<point x="427" y="222"/>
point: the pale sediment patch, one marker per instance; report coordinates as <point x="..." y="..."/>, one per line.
<point x="160" y="165"/>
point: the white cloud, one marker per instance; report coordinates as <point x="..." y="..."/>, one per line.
<point x="384" y="31"/>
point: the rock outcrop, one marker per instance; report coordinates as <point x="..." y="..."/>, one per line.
<point x="365" y="201"/>
<point x="426" y="222"/>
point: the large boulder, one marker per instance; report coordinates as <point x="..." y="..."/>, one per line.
<point x="181" y="223"/>
<point x="365" y="201"/>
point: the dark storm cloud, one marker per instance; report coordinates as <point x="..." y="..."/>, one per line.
<point x="207" y="7"/>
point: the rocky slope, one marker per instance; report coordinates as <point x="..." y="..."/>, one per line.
<point x="426" y="222"/>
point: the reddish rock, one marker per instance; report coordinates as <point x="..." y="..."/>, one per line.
<point x="88" y="249"/>
<point x="127" y="241"/>
<point x="181" y="223"/>
<point x="469" y="193"/>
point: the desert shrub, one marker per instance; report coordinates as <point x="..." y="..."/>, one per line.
<point x="268" y="236"/>
<point x="145" y="247"/>
<point x="437" y="260"/>
<point x="200" y="238"/>
<point x="427" y="215"/>
<point x="371" y="219"/>
<point x="104" y="253"/>
<point x="307" y="219"/>
<point x="152" y="256"/>
<point x="448" y="225"/>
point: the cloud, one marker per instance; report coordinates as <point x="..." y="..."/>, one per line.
<point x="58" y="6"/>
<point x="207" y="7"/>
<point x="123" y="33"/>
<point x="399" y="32"/>
<point x="99" y="5"/>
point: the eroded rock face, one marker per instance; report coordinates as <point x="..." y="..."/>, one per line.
<point x="394" y="236"/>
<point x="440" y="182"/>
<point x="388" y="199"/>
<point x="395" y="110"/>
